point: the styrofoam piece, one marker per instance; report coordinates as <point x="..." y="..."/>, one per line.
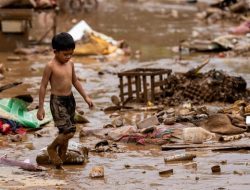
<point x="78" y="31"/>
<point x="248" y="120"/>
<point x="82" y="28"/>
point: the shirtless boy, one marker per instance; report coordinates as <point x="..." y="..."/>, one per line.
<point x="60" y="73"/>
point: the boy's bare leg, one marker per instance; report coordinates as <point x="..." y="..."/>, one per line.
<point x="63" y="147"/>
<point x="62" y="151"/>
<point x="52" y="151"/>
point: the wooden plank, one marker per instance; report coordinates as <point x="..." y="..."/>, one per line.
<point x="160" y="83"/>
<point x="130" y="93"/>
<point x="145" y="91"/>
<point x="152" y="88"/>
<point x="144" y="72"/>
<point x="121" y="89"/>
<point x="16" y="14"/>
<point x="126" y="93"/>
<point x="11" y="85"/>
<point x="215" y="146"/>
<point x="137" y="84"/>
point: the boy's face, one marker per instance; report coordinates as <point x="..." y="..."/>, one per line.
<point x="64" y="56"/>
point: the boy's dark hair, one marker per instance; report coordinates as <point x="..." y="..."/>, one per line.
<point x="63" y="41"/>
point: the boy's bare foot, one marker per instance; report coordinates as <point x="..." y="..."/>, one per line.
<point x="53" y="155"/>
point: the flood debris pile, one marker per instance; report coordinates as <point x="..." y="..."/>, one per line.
<point x="191" y="86"/>
<point x="186" y="124"/>
<point x="223" y="9"/>
<point x="237" y="44"/>
<point x="199" y="88"/>
<point x="91" y="42"/>
<point x="186" y="119"/>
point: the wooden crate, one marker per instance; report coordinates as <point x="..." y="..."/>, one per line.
<point x="140" y="84"/>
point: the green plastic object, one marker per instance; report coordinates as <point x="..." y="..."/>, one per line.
<point x="16" y="109"/>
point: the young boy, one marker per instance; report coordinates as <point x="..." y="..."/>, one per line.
<point x="60" y="73"/>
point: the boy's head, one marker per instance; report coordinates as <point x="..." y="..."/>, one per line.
<point x="63" y="41"/>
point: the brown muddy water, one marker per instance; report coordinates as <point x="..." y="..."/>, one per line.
<point x="147" y="26"/>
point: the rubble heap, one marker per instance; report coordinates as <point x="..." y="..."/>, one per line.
<point x="204" y="87"/>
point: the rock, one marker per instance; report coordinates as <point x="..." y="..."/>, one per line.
<point x="115" y="100"/>
<point x="170" y="111"/>
<point x="166" y="173"/>
<point x="30" y="146"/>
<point x="15" y="138"/>
<point x="109" y="126"/>
<point x="216" y="169"/>
<point x="97" y="172"/>
<point x="102" y="143"/>
<point x="80" y="118"/>
<point x="118" y="121"/>
<point x="149" y="122"/>
<point x="169" y="121"/>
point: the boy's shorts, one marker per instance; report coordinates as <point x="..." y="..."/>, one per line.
<point x="63" y="112"/>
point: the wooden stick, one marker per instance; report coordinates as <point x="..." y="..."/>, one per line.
<point x="214" y="147"/>
<point x="7" y="86"/>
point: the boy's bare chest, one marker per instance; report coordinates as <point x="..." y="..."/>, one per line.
<point x="62" y="71"/>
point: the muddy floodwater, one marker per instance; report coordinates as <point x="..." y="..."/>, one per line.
<point x="147" y="26"/>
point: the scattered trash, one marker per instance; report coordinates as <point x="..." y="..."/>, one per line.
<point x="222" y="124"/>
<point x="22" y="165"/>
<point x="16" y="109"/>
<point x="242" y="29"/>
<point x="248" y="120"/>
<point x="231" y="137"/>
<point x="238" y="172"/>
<point x="105" y="146"/>
<point x="91" y="42"/>
<point x="118" y="133"/>
<point x="197" y="135"/>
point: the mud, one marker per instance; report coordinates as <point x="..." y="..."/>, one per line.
<point x="153" y="28"/>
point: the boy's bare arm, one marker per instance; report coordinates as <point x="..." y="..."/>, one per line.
<point x="80" y="88"/>
<point x="45" y="79"/>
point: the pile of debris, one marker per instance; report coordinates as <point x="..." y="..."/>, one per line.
<point x="204" y="87"/>
<point x="223" y="9"/>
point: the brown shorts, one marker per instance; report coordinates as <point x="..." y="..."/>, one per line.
<point x="63" y="112"/>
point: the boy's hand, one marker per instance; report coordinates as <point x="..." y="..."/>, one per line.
<point x="40" y="113"/>
<point x="89" y="102"/>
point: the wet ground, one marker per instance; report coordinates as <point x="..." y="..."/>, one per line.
<point x="148" y="26"/>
